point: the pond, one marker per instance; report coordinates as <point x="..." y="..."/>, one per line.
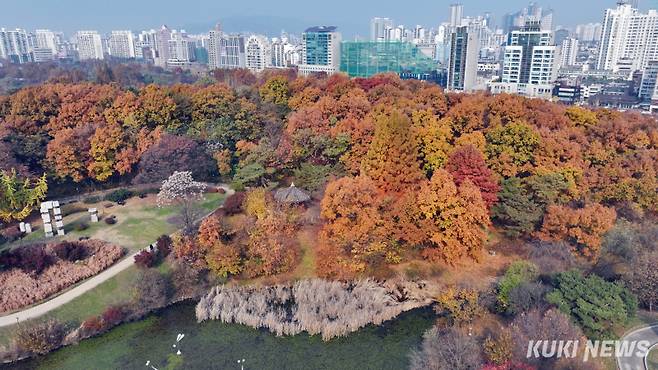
<point x="214" y="345"/>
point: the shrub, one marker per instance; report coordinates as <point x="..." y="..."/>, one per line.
<point x="499" y="349"/>
<point x="39" y="338"/>
<point x="11" y="234"/>
<point x="32" y="259"/>
<point x="92" y="326"/>
<point x="518" y="273"/>
<point x="151" y="291"/>
<point x="233" y="204"/>
<point x="445" y="349"/>
<point x="91" y="200"/>
<point x="111" y="220"/>
<point x="119" y="195"/>
<point x="81" y="226"/>
<point x="145" y="259"/>
<point x="70" y="251"/>
<point x="165" y="245"/>
<point x="113" y="315"/>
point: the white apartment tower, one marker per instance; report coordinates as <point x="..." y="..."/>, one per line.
<point x="181" y="49"/>
<point x="629" y="39"/>
<point x="456" y="14"/>
<point x="529" y="63"/>
<point x="90" y="45"/>
<point x="214" y="37"/>
<point x="258" y="53"/>
<point x="569" y="52"/>
<point x="162" y="38"/>
<point x="46" y="39"/>
<point x="122" y="44"/>
<point x="379" y="28"/>
<point x="14" y="46"/>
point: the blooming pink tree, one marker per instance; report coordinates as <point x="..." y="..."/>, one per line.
<point x="180" y="189"/>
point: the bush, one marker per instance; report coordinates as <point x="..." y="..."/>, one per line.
<point x="11" y="234"/>
<point x="111" y="220"/>
<point x="40" y="338"/>
<point x="31" y="259"/>
<point x="165" y="245"/>
<point x="81" y="226"/>
<point x="113" y="315"/>
<point x="233" y="204"/>
<point x="70" y="251"/>
<point x="119" y="195"/>
<point x="145" y="192"/>
<point x="519" y="272"/>
<point x="447" y="349"/>
<point x="145" y="259"/>
<point x="92" y="200"/>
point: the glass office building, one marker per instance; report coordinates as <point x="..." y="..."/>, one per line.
<point x="365" y="59"/>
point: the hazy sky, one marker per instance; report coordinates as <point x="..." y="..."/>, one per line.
<point x="351" y="16"/>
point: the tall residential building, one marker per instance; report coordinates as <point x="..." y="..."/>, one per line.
<point x="569" y="52"/>
<point x="279" y="53"/>
<point x="232" y="52"/>
<point x="590" y="32"/>
<point x="122" y="44"/>
<point x="14" y="46"/>
<point x="649" y="85"/>
<point x="46" y="39"/>
<point x="181" y="49"/>
<point x="456" y="14"/>
<point x="258" y="53"/>
<point x="463" y="60"/>
<point x="162" y="38"/>
<point x="529" y="62"/>
<point x="320" y="50"/>
<point x="379" y="28"/>
<point x="90" y="45"/>
<point x="629" y="39"/>
<point x="214" y="37"/>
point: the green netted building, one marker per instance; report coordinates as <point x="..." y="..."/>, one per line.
<point x="365" y="59"/>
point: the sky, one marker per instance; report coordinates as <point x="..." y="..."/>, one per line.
<point x="270" y="16"/>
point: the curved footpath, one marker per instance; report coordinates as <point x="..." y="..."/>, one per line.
<point x="648" y="333"/>
<point x="87" y="285"/>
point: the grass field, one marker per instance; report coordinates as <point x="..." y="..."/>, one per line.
<point x="652" y="361"/>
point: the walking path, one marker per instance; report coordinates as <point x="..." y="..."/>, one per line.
<point x="68" y="296"/>
<point x="650" y="334"/>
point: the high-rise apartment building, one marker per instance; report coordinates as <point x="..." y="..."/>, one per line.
<point x="529" y="62"/>
<point x="46" y="39"/>
<point x="90" y="45"/>
<point x="629" y="39"/>
<point x="162" y="38"/>
<point x="569" y="51"/>
<point x="181" y="49"/>
<point x="14" y="46"/>
<point x="232" y="52"/>
<point x="214" y="37"/>
<point x="258" y="53"/>
<point x="590" y="32"/>
<point x="456" y="14"/>
<point x="649" y="85"/>
<point x="379" y="28"/>
<point x="122" y="44"/>
<point x="320" y="50"/>
<point x="463" y="60"/>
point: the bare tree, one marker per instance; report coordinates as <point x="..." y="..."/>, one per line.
<point x="181" y="189"/>
<point x="642" y="278"/>
<point x="447" y="349"/>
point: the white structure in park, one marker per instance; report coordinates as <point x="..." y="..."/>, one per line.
<point x="52" y="217"/>
<point x="93" y="212"/>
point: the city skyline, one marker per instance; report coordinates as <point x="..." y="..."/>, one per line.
<point x="269" y="19"/>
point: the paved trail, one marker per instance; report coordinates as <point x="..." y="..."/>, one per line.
<point x="649" y="333"/>
<point x="68" y="296"/>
